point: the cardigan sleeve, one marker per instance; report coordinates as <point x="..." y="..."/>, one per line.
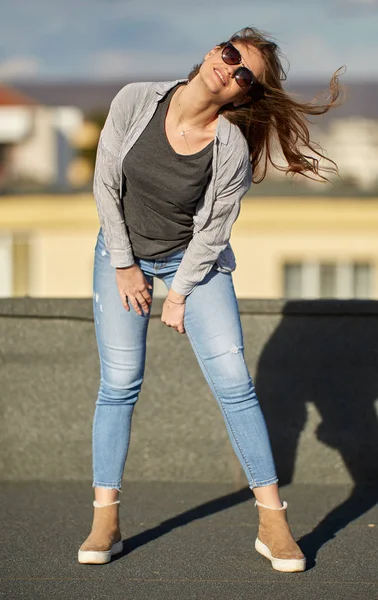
<point x="107" y="180"/>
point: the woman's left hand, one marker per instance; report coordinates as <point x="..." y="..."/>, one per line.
<point x="173" y="313"/>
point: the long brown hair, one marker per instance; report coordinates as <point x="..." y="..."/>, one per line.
<point x="277" y="118"/>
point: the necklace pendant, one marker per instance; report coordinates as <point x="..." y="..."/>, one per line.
<point x="182" y="132"/>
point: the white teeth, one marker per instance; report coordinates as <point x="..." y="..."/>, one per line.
<point x="221" y="76"/>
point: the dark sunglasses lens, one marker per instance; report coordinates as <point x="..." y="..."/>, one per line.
<point x="244" y="77"/>
<point x="231" y="55"/>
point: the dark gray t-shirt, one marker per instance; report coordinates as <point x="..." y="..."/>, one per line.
<point x="162" y="189"/>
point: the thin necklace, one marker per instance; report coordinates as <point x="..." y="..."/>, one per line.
<point x="185" y="131"/>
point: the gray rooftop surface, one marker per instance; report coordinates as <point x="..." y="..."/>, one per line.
<point x="186" y="541"/>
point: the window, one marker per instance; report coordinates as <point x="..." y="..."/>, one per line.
<point x="327" y="280"/>
<point x="293" y="280"/>
<point x="21" y="264"/>
<point x="14" y="264"/>
<point x="361" y="280"/>
<point x="6" y="266"/>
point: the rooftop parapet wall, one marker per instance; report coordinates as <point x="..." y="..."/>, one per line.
<point x="314" y="365"/>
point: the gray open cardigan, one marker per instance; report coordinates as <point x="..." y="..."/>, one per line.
<point x="130" y="112"/>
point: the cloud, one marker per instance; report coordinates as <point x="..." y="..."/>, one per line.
<point x="315" y="57"/>
<point x="19" y="67"/>
<point x="361" y="3"/>
<point x="353" y="8"/>
<point x="164" y="38"/>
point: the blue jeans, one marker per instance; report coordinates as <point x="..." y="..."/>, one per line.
<point x="212" y="324"/>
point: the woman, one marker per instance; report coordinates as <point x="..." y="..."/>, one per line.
<point x="174" y="161"/>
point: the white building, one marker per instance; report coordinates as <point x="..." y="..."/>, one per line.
<point x="353" y="144"/>
<point x="35" y="141"/>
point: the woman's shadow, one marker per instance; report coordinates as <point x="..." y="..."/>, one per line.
<point x="325" y="353"/>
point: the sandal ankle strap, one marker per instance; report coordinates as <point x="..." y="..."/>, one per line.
<point x="98" y="505"/>
<point x="283" y="507"/>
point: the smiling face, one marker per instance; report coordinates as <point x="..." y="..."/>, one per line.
<point x="219" y="76"/>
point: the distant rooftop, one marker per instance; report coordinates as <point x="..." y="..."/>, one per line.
<point x="10" y="96"/>
<point x="95" y="96"/>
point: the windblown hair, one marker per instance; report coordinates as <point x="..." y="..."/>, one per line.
<point x="277" y="118"/>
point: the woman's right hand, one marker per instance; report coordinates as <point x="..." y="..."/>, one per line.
<point x="133" y="287"/>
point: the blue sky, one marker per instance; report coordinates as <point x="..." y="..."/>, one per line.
<point x="114" y="39"/>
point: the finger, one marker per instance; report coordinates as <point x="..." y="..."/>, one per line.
<point x="148" y="284"/>
<point x="147" y="297"/>
<point x="124" y="300"/>
<point x="135" y="305"/>
<point x="142" y="302"/>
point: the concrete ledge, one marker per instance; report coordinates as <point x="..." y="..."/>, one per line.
<point x="314" y="364"/>
<point x="82" y="307"/>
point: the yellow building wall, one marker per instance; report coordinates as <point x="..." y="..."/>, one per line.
<point x="62" y="235"/>
<point x="270" y="232"/>
<point x="260" y="258"/>
<point x="61" y="263"/>
<point x="62" y="230"/>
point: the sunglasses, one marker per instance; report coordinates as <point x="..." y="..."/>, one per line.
<point x="243" y="76"/>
